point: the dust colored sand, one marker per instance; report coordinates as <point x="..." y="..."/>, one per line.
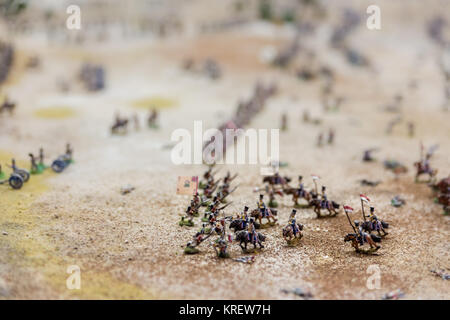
<point x="55" y="112"/>
<point x="155" y="103"/>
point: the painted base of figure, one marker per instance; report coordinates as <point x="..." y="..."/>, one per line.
<point x="191" y="250"/>
<point x="273" y="204"/>
<point x="2" y="175"/>
<point x="39" y="169"/>
<point x="252" y="250"/>
<point x="153" y="126"/>
<point x="367" y="251"/>
<point x="186" y="223"/>
<point x="293" y="242"/>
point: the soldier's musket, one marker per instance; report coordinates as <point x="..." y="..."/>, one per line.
<point x="221" y="208"/>
<point x="234" y="189"/>
<point x="233" y="177"/>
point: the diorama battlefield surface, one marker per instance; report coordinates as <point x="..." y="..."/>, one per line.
<point x="334" y="185"/>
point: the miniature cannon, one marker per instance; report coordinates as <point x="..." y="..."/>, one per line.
<point x="63" y="161"/>
<point x="17" y="177"/>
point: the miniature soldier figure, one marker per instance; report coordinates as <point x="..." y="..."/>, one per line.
<point x="360" y="232"/>
<point x="300" y="183"/>
<point x="196" y="199"/>
<point x="190" y="213"/>
<point x="69" y="150"/>
<point x="194" y="207"/>
<point x="331" y="136"/>
<point x="252" y="235"/>
<point x="153" y="118"/>
<point x="319" y="139"/>
<point x="34" y="167"/>
<point x="367" y="157"/>
<point x="261" y="205"/>
<point x="13" y="164"/>
<point x="323" y="202"/>
<point x="411" y="129"/>
<point x="41" y="157"/>
<point x="244" y="218"/>
<point x="293" y="222"/>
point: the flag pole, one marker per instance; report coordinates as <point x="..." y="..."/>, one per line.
<point x="350" y="221"/>
<point x="362" y="206"/>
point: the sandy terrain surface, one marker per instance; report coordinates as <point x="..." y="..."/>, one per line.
<point x="130" y="246"/>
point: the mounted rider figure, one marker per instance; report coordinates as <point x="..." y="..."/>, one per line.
<point x="324" y="201"/>
<point x="293" y="222"/>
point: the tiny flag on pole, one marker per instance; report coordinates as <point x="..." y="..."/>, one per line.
<point x="364" y="198"/>
<point x="314" y="177"/>
<point x="187" y="185"/>
<point x="348" y="209"/>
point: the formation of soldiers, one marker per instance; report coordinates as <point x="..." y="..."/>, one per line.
<point x="243" y="227"/>
<point x="245" y="112"/>
<point x="277" y="185"/>
<point x="19" y="176"/>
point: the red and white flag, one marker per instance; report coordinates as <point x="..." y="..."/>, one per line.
<point x="314" y="177"/>
<point x="364" y="197"/>
<point x="348" y="209"/>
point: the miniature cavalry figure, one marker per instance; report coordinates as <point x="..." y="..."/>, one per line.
<point x="242" y="220"/>
<point x="250" y="236"/>
<point x="324" y="203"/>
<point x="263" y="212"/>
<point x="360" y="237"/>
<point x="261" y="205"/>
<point x="300" y="193"/>
<point x="251" y="229"/>
<point x="423" y="166"/>
<point x="374" y="224"/>
<point x="292" y="231"/>
<point x="119" y="125"/>
<point x="152" y="119"/>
